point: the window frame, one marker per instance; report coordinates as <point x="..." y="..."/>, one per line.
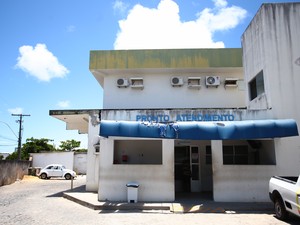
<point x="235" y="154"/>
<point x="256" y="86"/>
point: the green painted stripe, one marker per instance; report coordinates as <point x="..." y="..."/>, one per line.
<point x="166" y="58"/>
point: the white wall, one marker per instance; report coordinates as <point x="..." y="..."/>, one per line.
<point x="156" y="181"/>
<point x="80" y="162"/>
<point x="239" y="183"/>
<point x="159" y="93"/>
<point x="44" y="159"/>
<point x="92" y="173"/>
<point x="173" y="114"/>
<point x="271" y="43"/>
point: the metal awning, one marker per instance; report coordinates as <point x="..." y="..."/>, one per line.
<point x="193" y="130"/>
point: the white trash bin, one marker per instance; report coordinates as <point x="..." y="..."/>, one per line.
<point x="132" y="192"/>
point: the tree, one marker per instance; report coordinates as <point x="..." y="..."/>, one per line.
<point x="14" y="156"/>
<point x="69" y="145"/>
<point x="81" y="150"/>
<point x="33" y="145"/>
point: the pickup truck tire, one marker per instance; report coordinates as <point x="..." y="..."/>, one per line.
<point x="280" y="210"/>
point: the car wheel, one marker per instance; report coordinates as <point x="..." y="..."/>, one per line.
<point x="44" y="176"/>
<point x="68" y="176"/>
<point x="280" y="210"/>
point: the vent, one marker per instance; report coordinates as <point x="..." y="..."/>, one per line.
<point x="194" y="82"/>
<point x="212" y="81"/>
<point x="231" y="82"/>
<point x="177" y="81"/>
<point x="122" y="82"/>
<point x="137" y="82"/>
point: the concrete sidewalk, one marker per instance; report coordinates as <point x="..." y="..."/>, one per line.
<point x="183" y="205"/>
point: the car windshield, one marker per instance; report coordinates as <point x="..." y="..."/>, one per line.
<point x="63" y="167"/>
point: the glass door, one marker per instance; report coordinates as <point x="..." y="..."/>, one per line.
<point x="195" y="169"/>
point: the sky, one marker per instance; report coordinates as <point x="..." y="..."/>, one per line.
<point x="45" y="45"/>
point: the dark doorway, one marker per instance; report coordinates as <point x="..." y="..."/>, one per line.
<point x="182" y="169"/>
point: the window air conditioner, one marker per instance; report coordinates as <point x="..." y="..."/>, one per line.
<point x="212" y="81"/>
<point x="230" y="82"/>
<point x="137" y="82"/>
<point x="177" y="81"/>
<point x="122" y="82"/>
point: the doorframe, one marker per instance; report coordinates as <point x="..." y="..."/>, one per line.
<point x="194" y="185"/>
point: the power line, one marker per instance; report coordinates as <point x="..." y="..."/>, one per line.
<point x="20" y="132"/>
<point x="8" y="145"/>
<point x="8" y="138"/>
<point x="9" y="128"/>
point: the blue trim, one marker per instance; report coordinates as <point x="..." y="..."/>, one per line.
<point x="225" y="130"/>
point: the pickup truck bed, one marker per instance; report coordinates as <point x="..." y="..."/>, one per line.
<point x="292" y="180"/>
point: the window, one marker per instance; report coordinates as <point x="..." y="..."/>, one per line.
<point x="235" y="154"/>
<point x="208" y="155"/>
<point x="248" y="152"/>
<point x="256" y="85"/>
<point x="97" y="147"/>
<point x="137" y="152"/>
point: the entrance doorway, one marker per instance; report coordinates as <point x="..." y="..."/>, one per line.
<point x="187" y="169"/>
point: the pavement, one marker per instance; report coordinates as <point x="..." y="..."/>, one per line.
<point x="184" y="203"/>
<point x="33" y="201"/>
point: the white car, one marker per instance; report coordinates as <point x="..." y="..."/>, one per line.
<point x="56" y="170"/>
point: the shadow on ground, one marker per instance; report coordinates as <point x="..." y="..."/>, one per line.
<point x="60" y="194"/>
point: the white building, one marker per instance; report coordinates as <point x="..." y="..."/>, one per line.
<point x="232" y="125"/>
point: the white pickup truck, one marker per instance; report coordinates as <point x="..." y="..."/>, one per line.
<point x="285" y="194"/>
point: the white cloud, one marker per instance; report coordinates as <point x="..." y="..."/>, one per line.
<point x="39" y="62"/>
<point x="16" y="110"/>
<point x="222" y="17"/>
<point x="71" y="28"/>
<point x="220" y="3"/>
<point x="120" y="6"/>
<point x="63" y="104"/>
<point x="161" y="27"/>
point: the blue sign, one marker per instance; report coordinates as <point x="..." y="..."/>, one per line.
<point x="186" y="117"/>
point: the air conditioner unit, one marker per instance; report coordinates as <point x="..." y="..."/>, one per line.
<point x="177" y="81"/>
<point x="122" y="82"/>
<point x="212" y="81"/>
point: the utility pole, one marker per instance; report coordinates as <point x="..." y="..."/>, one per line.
<point x="20" y="132"/>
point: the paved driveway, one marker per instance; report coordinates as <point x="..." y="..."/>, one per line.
<point x="35" y="201"/>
